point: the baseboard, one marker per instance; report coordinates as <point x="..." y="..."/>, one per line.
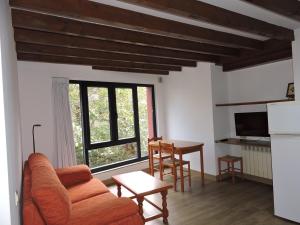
<point x="250" y="178"/>
<point x="259" y="179"/>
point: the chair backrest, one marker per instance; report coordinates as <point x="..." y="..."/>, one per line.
<point x="155" y="139"/>
<point x="167" y="148"/>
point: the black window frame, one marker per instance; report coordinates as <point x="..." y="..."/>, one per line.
<point x="84" y="107"/>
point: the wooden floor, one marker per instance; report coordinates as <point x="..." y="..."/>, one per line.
<point x="245" y="203"/>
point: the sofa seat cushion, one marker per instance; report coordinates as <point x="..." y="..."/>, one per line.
<point x="86" y="190"/>
<point x="102" y="210"/>
<point x="130" y="220"/>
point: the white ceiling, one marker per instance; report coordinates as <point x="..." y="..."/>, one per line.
<point x="255" y="12"/>
<point x="232" y="5"/>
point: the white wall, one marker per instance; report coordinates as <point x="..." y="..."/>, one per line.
<point x="36" y="106"/>
<point x="188" y="111"/>
<point x="296" y="63"/>
<point x="185" y="103"/>
<point x="10" y="153"/>
<point x="265" y="82"/>
<point x="221" y="114"/>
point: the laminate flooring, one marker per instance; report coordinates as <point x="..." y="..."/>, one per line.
<point x="224" y="203"/>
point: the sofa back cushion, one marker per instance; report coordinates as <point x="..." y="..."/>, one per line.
<point x="48" y="193"/>
<point x="31" y="215"/>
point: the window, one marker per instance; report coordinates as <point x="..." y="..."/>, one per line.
<point x="111" y="122"/>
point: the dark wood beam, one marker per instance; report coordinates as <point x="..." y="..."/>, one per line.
<point x="270" y="46"/>
<point x="44" y="38"/>
<point x="84" y="53"/>
<point x="194" y="9"/>
<point x="129" y="70"/>
<point x="93" y="62"/>
<point x="42" y="22"/>
<point x="122" y="18"/>
<point x="288" y="8"/>
<point x="258" y="59"/>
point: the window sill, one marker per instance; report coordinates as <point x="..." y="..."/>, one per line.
<point x="135" y="166"/>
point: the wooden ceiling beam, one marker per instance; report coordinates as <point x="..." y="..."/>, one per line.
<point x="258" y="59"/>
<point x="44" y="38"/>
<point x="129" y="70"/>
<point x="42" y="22"/>
<point x="112" y="16"/>
<point x="270" y="46"/>
<point x="288" y="8"/>
<point x="93" y="62"/>
<point x="84" y="53"/>
<point x="201" y="11"/>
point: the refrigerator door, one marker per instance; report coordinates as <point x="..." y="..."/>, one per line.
<point x="284" y="118"/>
<point x="286" y="182"/>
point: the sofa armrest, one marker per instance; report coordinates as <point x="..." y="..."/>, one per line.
<point x="73" y="175"/>
<point x="105" y="213"/>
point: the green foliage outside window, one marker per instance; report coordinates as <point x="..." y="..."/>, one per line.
<point x="76" y="121"/>
<point x="99" y="114"/>
<point x="100" y="126"/>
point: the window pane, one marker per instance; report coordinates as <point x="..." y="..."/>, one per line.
<point x="145" y="117"/>
<point x="74" y="93"/>
<point x="99" y="114"/>
<point x="109" y="155"/>
<point x="125" y="113"/>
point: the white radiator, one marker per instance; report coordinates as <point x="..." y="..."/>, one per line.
<point x="257" y="161"/>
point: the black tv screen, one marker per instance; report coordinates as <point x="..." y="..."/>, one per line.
<point x="252" y="124"/>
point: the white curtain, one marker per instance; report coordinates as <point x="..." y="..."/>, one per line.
<point x="63" y="130"/>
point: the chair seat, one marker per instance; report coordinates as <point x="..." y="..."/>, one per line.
<point x="163" y="156"/>
<point x="177" y="162"/>
<point x="229" y="158"/>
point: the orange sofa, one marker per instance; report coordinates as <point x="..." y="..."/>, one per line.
<point x="71" y="196"/>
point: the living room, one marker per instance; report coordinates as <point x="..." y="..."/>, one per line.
<point x="196" y="103"/>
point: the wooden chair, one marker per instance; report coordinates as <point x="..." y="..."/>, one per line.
<point x="231" y="170"/>
<point x="172" y="163"/>
<point x="155" y="156"/>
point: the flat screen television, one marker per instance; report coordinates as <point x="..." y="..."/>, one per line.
<point x="252" y="124"/>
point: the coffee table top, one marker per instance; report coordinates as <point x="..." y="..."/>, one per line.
<point x="141" y="183"/>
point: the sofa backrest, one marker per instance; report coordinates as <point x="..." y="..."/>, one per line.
<point x="48" y="194"/>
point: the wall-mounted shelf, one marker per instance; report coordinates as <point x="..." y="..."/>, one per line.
<point x="254" y="103"/>
<point x="237" y="141"/>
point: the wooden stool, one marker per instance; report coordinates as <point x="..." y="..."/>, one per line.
<point x="230" y="160"/>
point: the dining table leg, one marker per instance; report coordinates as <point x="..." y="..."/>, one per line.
<point x="149" y="159"/>
<point x="151" y="162"/>
<point x="181" y="172"/>
<point x="202" y="166"/>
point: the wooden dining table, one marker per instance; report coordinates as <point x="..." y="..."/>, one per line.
<point x="181" y="148"/>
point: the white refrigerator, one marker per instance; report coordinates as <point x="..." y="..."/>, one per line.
<point x="284" y="128"/>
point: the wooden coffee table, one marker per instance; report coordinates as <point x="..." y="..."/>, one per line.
<point x="141" y="184"/>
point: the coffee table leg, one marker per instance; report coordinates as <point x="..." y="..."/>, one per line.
<point x="119" y="190"/>
<point x="164" y="205"/>
<point x="140" y="204"/>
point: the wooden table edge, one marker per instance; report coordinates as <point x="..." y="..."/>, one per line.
<point x="158" y="190"/>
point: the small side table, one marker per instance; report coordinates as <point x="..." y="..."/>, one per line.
<point x="230" y="160"/>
